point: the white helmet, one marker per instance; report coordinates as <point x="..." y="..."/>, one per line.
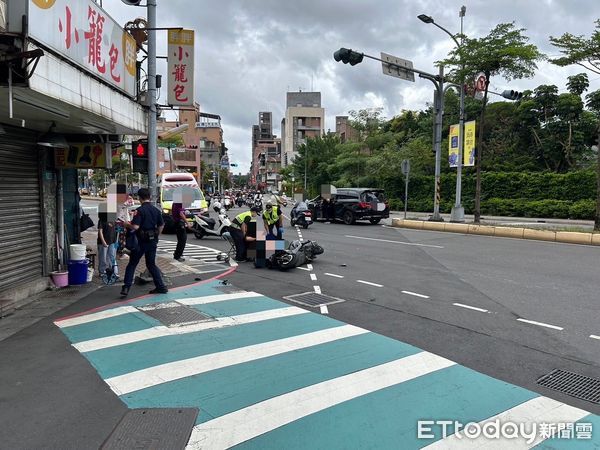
<point x="217" y="205"/>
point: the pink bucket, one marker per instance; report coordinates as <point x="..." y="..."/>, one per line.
<point x="60" y="279"/>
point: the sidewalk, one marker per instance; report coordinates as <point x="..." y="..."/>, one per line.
<point x="491" y="220"/>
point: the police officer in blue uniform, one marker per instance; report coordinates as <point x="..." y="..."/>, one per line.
<point x="147" y="224"/>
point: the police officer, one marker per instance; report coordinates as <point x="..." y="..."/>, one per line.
<point x="239" y="232"/>
<point x="147" y="224"/>
<point x="272" y="217"/>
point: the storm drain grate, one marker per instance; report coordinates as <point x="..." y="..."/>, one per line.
<point x="313" y="299"/>
<point x="229" y="289"/>
<point x="153" y="428"/>
<point x="573" y="384"/>
<point x="174" y="314"/>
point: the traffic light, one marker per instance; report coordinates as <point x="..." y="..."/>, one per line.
<point x="512" y="95"/>
<point x="347" y="55"/>
<point x="140" y="155"/>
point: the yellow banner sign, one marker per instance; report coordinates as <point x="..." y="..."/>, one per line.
<point x="82" y="156"/>
<point x="468" y="148"/>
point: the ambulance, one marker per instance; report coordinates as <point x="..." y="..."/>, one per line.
<point x="181" y="185"/>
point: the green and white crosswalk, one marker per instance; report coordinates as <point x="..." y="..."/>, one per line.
<point x="268" y="375"/>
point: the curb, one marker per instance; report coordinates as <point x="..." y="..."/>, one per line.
<point x="94" y="199"/>
<point x="567" y="237"/>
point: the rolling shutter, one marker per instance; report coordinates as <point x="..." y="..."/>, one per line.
<point x="21" y="228"/>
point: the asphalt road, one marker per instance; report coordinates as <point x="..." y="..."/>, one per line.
<point x="512" y="309"/>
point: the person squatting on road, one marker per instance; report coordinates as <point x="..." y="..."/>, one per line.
<point x="181" y="227"/>
<point x="239" y="232"/>
<point x="147" y="224"/>
<point x="273" y="217"/>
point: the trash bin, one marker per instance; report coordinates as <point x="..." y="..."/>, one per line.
<point x="78" y="272"/>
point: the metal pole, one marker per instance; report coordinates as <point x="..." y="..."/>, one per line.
<point x="305" y="169"/>
<point x="439" y="93"/>
<point x="152" y="138"/>
<point x="405" y="196"/>
<point x="170" y="158"/>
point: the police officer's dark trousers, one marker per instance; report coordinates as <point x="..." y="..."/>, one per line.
<point x="147" y="249"/>
<point x="240" y="244"/>
<point x="181" y="232"/>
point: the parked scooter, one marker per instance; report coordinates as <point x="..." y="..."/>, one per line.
<point x="207" y="226"/>
<point x="298" y="254"/>
<point x="301" y="215"/>
<point x="227" y="203"/>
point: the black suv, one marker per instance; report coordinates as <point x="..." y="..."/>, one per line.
<point x="352" y="204"/>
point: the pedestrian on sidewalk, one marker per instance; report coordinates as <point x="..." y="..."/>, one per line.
<point x="148" y="225"/>
<point x="273" y="218"/>
<point x="239" y="232"/>
<point x="107" y="249"/>
<point x="181" y="227"/>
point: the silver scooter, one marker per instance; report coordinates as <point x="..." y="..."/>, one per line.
<point x="207" y="226"/>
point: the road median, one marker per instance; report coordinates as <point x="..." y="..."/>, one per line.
<point x="569" y="237"/>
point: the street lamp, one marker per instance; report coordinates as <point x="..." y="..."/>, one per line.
<point x="458" y="212"/>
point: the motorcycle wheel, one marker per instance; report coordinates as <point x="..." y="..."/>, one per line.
<point x="224" y="230"/>
<point x="293" y="222"/>
<point x="305" y="226"/>
<point x="199" y="233"/>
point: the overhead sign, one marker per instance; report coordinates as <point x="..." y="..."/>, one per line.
<point x="83" y="33"/>
<point x="397" y="67"/>
<point x="84" y="156"/>
<point x="468" y="147"/>
<point x="180" y="63"/>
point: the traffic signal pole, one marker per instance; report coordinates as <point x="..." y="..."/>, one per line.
<point x="152" y="135"/>
<point x="438" y="82"/>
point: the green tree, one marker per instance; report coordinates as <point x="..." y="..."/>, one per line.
<point x="584" y="52"/>
<point x="505" y="52"/>
<point x="578" y="84"/>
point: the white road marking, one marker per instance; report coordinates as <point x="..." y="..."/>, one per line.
<point x="317" y="289"/>
<point x="160" y="331"/>
<point x="310" y="266"/>
<point x="217" y="298"/>
<point x="369" y="283"/>
<point x="164" y="373"/>
<point x="415" y="294"/>
<point x="303" y="268"/>
<point x="593" y="336"/>
<point x="244" y="424"/>
<point x="395" y="242"/>
<point x="470" y="307"/>
<point x="333" y="275"/>
<point x="537" y="411"/>
<point x="95" y="316"/>
<point x="313" y="277"/>
<point x="541" y="324"/>
<point x="324" y="309"/>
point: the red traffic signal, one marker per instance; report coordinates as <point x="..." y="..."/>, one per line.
<point x="140" y="149"/>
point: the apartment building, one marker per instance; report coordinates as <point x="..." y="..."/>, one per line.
<point x="304" y="118"/>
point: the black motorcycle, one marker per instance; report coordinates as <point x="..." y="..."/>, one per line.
<point x="298" y="254"/>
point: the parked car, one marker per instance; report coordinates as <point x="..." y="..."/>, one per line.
<point x="352" y="204"/>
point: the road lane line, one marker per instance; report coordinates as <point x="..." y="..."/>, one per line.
<point x="317" y="289"/>
<point x="161" y="331"/>
<point x="324" y="309"/>
<point x="310" y="266"/>
<point x="247" y="423"/>
<point x="369" y="283"/>
<point x="333" y="275"/>
<point x="474" y="308"/>
<point x="541" y="324"/>
<point x="164" y="373"/>
<point x="303" y="268"/>
<point x="593" y="336"/>
<point x="313" y="277"/>
<point x="394" y="242"/>
<point x="535" y="411"/>
<point x="415" y="294"/>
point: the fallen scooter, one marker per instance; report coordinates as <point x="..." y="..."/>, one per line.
<point x="207" y="226"/>
<point x="297" y="254"/>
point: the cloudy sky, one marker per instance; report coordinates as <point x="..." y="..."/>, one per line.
<point x="249" y="53"/>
